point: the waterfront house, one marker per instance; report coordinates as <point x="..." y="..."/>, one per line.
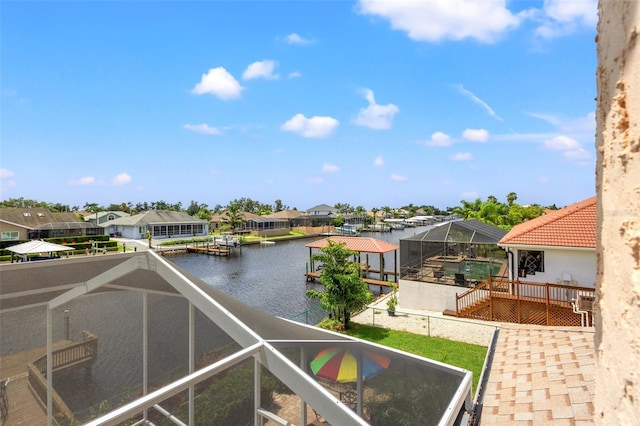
<point x="161" y="224"/>
<point x="552" y="272"/>
<point x="103" y="218"/>
<point x="558" y="247"/>
<point x="18" y="224"/>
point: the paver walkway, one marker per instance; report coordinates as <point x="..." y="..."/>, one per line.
<point x="541" y="375"/>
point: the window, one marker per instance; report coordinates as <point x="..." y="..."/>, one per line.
<point x="26" y="214"/>
<point x="10" y="236"/>
<point x="111" y="216"/>
<point x="530" y="262"/>
<point x="40" y="214"/>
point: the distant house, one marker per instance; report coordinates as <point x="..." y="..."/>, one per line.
<point x="161" y="224"/>
<point x="558" y="247"/>
<point x="103" y="218"/>
<point x="322" y="210"/>
<point x="23" y="224"/>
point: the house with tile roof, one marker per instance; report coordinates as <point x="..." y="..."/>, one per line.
<point x="558" y="247"/>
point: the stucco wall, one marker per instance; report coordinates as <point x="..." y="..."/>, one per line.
<point x="617" y="397"/>
<point x="581" y="264"/>
<point x="427" y="296"/>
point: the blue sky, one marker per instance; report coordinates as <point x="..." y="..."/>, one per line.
<point x="372" y="103"/>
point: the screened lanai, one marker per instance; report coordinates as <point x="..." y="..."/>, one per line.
<point x="171" y="349"/>
<point x="461" y="252"/>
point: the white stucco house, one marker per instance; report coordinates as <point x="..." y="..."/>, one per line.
<point x="161" y="224"/>
<point x="558" y="247"/>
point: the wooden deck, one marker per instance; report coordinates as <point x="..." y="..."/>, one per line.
<point x="311" y="276"/>
<point x="25" y="407"/>
<point x="524" y="303"/>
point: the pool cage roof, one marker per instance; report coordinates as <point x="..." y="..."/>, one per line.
<point x="436" y="393"/>
<point x="461" y="231"/>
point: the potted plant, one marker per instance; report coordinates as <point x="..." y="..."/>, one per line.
<point x="392" y="301"/>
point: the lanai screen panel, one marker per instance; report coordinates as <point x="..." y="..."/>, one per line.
<point x="401" y="390"/>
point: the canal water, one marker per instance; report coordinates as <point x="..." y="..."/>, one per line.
<point x="270" y="278"/>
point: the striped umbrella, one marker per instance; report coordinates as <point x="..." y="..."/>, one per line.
<point x="341" y="365"/>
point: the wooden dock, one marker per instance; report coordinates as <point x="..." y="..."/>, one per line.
<point x="311" y="276"/>
<point x="210" y="250"/>
<point x="25" y="407"/>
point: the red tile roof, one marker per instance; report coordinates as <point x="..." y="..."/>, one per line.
<point x="572" y="226"/>
<point x="360" y="244"/>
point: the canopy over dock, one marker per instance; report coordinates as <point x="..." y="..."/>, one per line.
<point x="361" y="245"/>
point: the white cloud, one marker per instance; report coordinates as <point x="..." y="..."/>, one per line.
<point x="378" y="117"/>
<point x="5" y="173"/>
<point x="86" y="180"/>
<point x="294" y="74"/>
<point x="205" y="129"/>
<point x="294" y="38"/>
<point x="561" y="143"/>
<point x="469" y="195"/>
<point x="397" y="178"/>
<point x="446" y="182"/>
<point x="549" y="118"/>
<point x="476" y="135"/>
<point x="439" y="139"/>
<point x="261" y="69"/>
<point x="577" y="154"/>
<point x="435" y="20"/>
<point x="462" y="156"/>
<point x="314" y="127"/>
<point x="562" y="17"/>
<point x="478" y="101"/>
<point x="330" y="168"/>
<point x="218" y="82"/>
<point x="571" y="147"/>
<point x="543" y="179"/>
<point x="378" y="161"/>
<point x="121" y="179"/>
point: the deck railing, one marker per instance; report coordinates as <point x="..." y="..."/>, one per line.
<point x="519" y="293"/>
<point x="69" y="355"/>
<point x="80" y="353"/>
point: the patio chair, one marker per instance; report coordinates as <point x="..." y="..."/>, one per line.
<point x="460" y="280"/>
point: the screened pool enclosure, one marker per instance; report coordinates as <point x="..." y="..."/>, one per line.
<point x="462" y="252"/>
<point x="173" y="350"/>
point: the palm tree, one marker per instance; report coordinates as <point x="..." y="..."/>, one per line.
<point x="345" y="292"/>
<point x="511" y="197"/>
<point x="375" y="211"/>
<point x="233" y="218"/>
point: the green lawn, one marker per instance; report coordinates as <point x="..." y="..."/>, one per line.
<point x="463" y="355"/>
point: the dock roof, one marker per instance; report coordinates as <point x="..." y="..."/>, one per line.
<point x="359" y="244"/>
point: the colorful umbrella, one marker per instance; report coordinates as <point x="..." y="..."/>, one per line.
<point x="340" y="365"/>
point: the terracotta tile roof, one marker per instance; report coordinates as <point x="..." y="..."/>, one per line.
<point x="572" y="226"/>
<point x="360" y="244"/>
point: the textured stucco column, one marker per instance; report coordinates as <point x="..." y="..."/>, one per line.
<point x="617" y="399"/>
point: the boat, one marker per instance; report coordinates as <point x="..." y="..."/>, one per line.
<point x="265" y="242"/>
<point x="225" y="241"/>
<point x="347" y="229"/>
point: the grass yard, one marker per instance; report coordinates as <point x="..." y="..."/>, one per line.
<point x="463" y="355"/>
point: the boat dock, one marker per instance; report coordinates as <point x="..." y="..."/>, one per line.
<point x="212" y="250"/>
<point x="311" y="276"/>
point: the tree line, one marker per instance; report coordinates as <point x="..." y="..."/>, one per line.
<point x="504" y="215"/>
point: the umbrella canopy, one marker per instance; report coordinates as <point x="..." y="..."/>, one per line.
<point x="37" y="246"/>
<point x="341" y="365"/>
